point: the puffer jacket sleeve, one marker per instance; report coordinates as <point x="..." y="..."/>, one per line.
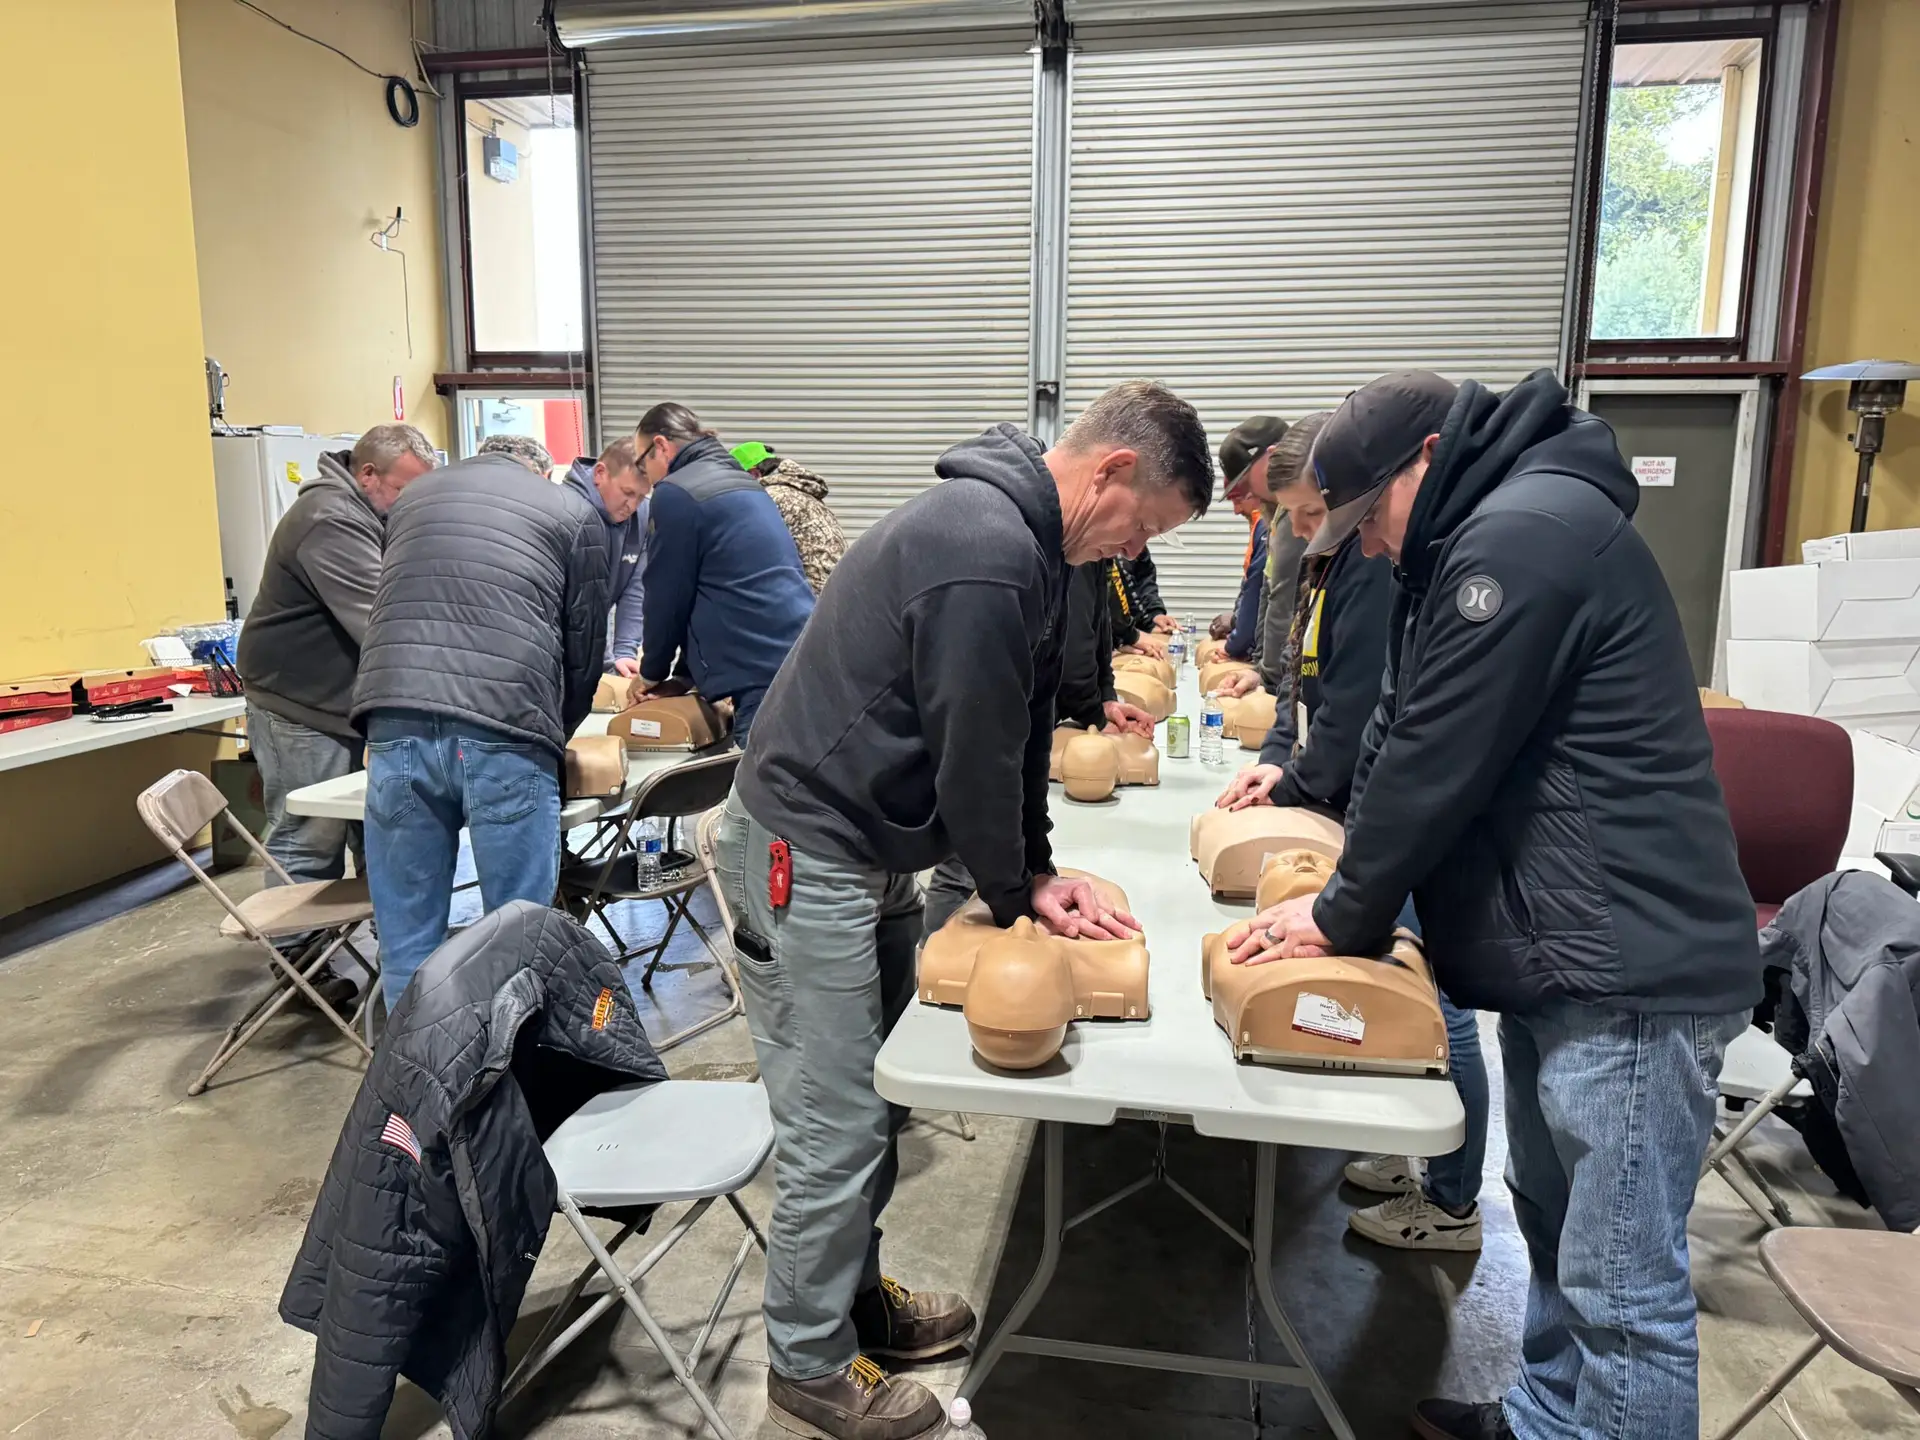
<point x="588" y="594"/>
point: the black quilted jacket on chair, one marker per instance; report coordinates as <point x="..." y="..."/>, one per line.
<point x="438" y="1196"/>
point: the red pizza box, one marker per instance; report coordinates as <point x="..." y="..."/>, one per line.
<point x="37" y="692"/>
<point x="124" y="687"/>
<point x="27" y="719"/>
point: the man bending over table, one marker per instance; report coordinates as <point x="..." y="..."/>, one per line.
<point x="912" y="723"/>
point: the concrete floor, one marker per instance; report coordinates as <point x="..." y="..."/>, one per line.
<point x="144" y="1238"/>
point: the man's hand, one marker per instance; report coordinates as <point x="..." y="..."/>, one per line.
<point x="1252" y="786"/>
<point x="1221" y="627"/>
<point x="1241" y="682"/>
<point x="1147" y="642"/>
<point x="1070" y="908"/>
<point x="1164" y="624"/>
<point x="626" y="665"/>
<point x="1279" y="932"/>
<point x="1125" y="719"/>
<point x="641" y="685"/>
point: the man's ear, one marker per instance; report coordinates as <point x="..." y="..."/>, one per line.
<point x="1428" y="446"/>
<point x="1116" y="465"/>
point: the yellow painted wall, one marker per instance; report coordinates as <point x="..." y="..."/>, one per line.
<point x="294" y="163"/>
<point x="1865" y="302"/>
<point x="108" y="533"/>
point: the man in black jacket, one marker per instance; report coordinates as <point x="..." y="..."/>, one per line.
<point x="481" y="656"/>
<point x="1538" y="776"/>
<point x="1133" y="601"/>
<point x="912" y="722"/>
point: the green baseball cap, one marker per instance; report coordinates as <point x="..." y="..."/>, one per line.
<point x="753" y="454"/>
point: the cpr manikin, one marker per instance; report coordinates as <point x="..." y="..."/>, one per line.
<point x="1138" y="688"/>
<point x="1134" y="758"/>
<point x="1020" y="987"/>
<point x="1212" y="675"/>
<point x="1208" y="651"/>
<point x="1249" y="718"/>
<point x="1161" y="670"/>
<point x="669" y="722"/>
<point x="596" y="766"/>
<point x="1336" y="1012"/>
<point x="1230" y="844"/>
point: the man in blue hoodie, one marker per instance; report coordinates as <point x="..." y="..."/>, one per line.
<point x="724" y="587"/>
<point x="613" y="486"/>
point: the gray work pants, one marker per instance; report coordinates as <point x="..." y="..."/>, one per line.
<point x="837" y="975"/>
<point x="292" y="756"/>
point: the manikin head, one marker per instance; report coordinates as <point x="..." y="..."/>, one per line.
<point x="1134" y="465"/>
<point x="1372" y="456"/>
<point x="523" y="449"/>
<point x="386" y="460"/>
<point x="616" y="475"/>
<point x="664" y="432"/>
<point x="1246" y="466"/>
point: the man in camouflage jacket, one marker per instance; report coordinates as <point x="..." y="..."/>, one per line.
<point x="802" y="498"/>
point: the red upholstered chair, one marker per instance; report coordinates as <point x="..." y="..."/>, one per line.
<point x="1789" y="786"/>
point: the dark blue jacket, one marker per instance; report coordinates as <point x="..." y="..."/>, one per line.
<point x="723" y="578"/>
<point x="1246" y="606"/>
<point x="1538" y="773"/>
<point x="627" y="545"/>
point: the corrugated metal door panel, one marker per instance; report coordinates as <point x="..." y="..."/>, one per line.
<point x="1266" y="224"/>
<point x="826" y="252"/>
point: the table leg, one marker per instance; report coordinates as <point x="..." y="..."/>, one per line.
<point x="1053" y="1165"/>
<point x="1266" y="1164"/>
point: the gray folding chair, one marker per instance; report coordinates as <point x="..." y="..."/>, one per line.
<point x="589" y="888"/>
<point x="1759" y="1071"/>
<point x="623" y="1155"/>
<point x="180" y="805"/>
<point x="1856" y="1289"/>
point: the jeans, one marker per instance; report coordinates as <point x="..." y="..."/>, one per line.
<point x="746" y="705"/>
<point x="290" y="756"/>
<point x="1453" y="1179"/>
<point x="838" y="976"/>
<point x="1608" y="1117"/>
<point x="949" y="889"/>
<point x="428" y="775"/>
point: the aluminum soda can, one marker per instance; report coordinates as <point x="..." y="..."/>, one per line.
<point x="1179" y="737"/>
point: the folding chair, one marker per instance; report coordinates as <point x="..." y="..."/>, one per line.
<point x="623" y="1155"/>
<point x="1758" y="1070"/>
<point x="181" y="804"/>
<point x="1856" y="1289"/>
<point x="589" y="888"/>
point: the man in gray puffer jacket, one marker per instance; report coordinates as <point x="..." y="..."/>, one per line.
<point x="481" y="656"/>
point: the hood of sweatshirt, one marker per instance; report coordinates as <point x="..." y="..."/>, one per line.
<point x="336" y="473"/>
<point x="793" y="473"/>
<point x="580" y="477"/>
<point x="1487" y="438"/>
<point x="1009" y="459"/>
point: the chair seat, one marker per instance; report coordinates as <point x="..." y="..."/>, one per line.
<point x="1756" y="1063"/>
<point x="295" y="909"/>
<point x="679" y="872"/>
<point x="1857" y="1289"/>
<point x="675" y="1140"/>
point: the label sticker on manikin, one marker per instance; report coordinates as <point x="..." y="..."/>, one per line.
<point x="1324" y="1016"/>
<point x="648" y="728"/>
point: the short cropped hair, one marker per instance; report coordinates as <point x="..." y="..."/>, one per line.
<point x="524" y="448"/>
<point x="672" y="421"/>
<point x="1165" y="431"/>
<point x="621" y="455"/>
<point x="1287" y="461"/>
<point x="384" y="444"/>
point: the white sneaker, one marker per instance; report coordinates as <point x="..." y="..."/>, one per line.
<point x="1385" y="1174"/>
<point x="1413" y="1222"/>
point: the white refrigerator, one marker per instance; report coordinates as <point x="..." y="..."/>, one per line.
<point x="256" y="475"/>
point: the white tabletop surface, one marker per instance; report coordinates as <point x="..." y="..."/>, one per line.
<point x="1176" y="1065"/>
<point x="345" y="796"/>
<point x="82" y="733"/>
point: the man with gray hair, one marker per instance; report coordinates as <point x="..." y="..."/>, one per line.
<point x="524" y="448"/>
<point x="912" y="723"/>
<point x="300" y="646"/>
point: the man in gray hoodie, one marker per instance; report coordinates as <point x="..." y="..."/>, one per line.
<point x="614" y="486"/>
<point x="300" y="646"/>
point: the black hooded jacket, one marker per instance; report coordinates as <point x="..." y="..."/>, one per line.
<point x="1086" y="650"/>
<point x="1537" y="773"/>
<point x="913" y="721"/>
<point x="438" y="1196"/>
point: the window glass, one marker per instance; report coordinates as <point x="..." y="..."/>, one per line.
<point x="554" y="418"/>
<point x="523" y="223"/>
<point x="1681" y="125"/>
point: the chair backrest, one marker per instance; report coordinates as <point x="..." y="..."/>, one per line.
<point x="1789" y="786"/>
<point x="687" y="788"/>
<point x="179" y="805"/>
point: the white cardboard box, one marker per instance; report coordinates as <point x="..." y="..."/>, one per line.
<point x="1886" y="792"/>
<point x="1837" y="600"/>
<point x="1873" y="687"/>
<point x="1868" y="545"/>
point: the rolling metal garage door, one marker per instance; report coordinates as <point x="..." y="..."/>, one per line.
<point x="827" y="250"/>
<point x="1268" y="217"/>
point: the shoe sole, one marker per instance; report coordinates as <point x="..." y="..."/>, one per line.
<point x="1463" y="1242"/>
<point x="794" y="1425"/>
<point x="925" y="1352"/>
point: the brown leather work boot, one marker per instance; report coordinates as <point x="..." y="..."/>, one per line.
<point x="858" y="1403"/>
<point x="901" y="1324"/>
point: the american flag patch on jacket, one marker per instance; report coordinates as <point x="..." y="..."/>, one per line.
<point x="397" y="1133"/>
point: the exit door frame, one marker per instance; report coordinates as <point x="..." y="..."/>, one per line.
<point x="1742" y="524"/>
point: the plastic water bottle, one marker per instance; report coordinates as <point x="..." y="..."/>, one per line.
<point x="648" y="845"/>
<point x="960" y="1424"/>
<point x="1213" y="723"/>
<point x="1177" y="650"/>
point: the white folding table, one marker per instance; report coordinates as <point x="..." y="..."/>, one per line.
<point x="1176" y="1067"/>
<point x="81" y="733"/>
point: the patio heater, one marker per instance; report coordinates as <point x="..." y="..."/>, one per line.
<point x="1877" y="388"/>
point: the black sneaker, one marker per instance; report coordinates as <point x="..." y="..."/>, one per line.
<point x="1455" y="1420"/>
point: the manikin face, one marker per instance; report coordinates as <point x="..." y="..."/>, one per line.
<point x="621" y="491"/>
<point x="383" y="487"/>
<point x="1104" y="513"/>
<point x="1384" y="530"/>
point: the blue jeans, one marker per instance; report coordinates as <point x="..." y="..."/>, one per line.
<point x="1608" y="1118"/>
<point x="746" y="705"/>
<point x="1453" y="1179"/>
<point x="427" y="776"/>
